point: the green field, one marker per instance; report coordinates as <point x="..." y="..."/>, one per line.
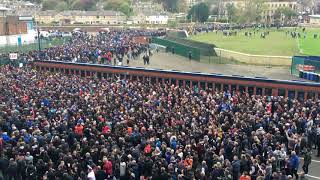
<point x="276" y="44"/>
<point x="310" y="46"/>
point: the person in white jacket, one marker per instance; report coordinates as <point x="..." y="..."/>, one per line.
<point x="91" y="175"/>
<point x="123" y="167"/>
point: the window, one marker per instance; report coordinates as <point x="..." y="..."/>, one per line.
<point x="242" y="89"/>
<point x="105" y="75"/>
<point x="173" y="81"/>
<point x="250" y="90"/>
<point x="268" y="92"/>
<point x="203" y="85"/>
<point x="99" y="75"/>
<point x="291" y="94"/>
<point x="218" y="87"/>
<point x="194" y="84"/>
<point x="88" y="73"/>
<point x="281" y="92"/>
<point x="300" y="96"/>
<point x="226" y="87"/>
<point x="311" y="95"/>
<point x="181" y="83"/>
<point x="259" y="91"/>
<point x="153" y="80"/>
<point x="187" y="83"/>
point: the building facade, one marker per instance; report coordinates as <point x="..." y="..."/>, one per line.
<point x="80" y="17"/>
<point x="270" y="7"/>
<point x="157" y="19"/>
<point x="191" y="3"/>
<point x="314" y="20"/>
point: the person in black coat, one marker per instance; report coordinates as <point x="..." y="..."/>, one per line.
<point x="101" y="174"/>
<point x="12" y="170"/>
<point x="4" y="163"/>
<point x="235" y="168"/>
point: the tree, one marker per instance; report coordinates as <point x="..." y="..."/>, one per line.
<point x="182" y="8"/>
<point x="169" y="5"/>
<point x="252" y="11"/>
<point x="62" y="6"/>
<point x="125" y="9"/>
<point x="85" y="5"/>
<point x="49" y="5"/>
<point x="112" y="5"/>
<point x="119" y="5"/>
<point x="172" y="24"/>
<point x="199" y="12"/>
<point x="231" y="11"/>
<point x="277" y="16"/>
<point x="285" y="12"/>
<point x="36" y="1"/>
<point x="288" y="13"/>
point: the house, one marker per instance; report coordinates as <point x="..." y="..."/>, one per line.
<point x="81" y="17"/>
<point x="157" y="18"/>
<point x="138" y="19"/>
<point x="270" y="9"/>
<point x="314" y="19"/>
<point x="46" y="17"/>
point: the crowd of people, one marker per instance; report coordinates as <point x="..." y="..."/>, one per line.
<point x="55" y="126"/>
<point x="105" y="47"/>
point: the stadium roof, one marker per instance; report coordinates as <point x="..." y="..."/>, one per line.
<point x="316" y="16"/>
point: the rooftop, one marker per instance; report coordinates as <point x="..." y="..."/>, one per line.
<point x="82" y="13"/>
<point x="316" y="16"/>
<point x="4" y="8"/>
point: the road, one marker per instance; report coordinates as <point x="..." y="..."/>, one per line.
<point x="314" y="168"/>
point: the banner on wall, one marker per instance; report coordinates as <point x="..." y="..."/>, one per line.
<point x="13" y="56"/>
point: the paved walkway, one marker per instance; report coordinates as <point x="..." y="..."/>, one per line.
<point x="172" y="62"/>
<point x="314" y="168"/>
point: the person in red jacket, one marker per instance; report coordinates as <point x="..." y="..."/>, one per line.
<point x="79" y="129"/>
<point x="105" y="130"/>
<point x="147" y="150"/>
<point x="107" y="166"/>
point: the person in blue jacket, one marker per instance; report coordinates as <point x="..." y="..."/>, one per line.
<point x="294" y="164"/>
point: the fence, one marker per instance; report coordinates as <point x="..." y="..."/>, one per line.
<point x="180" y="49"/>
<point x="205" y="49"/>
<point x="44" y="43"/>
<point x="306" y="64"/>
<point x="5" y="60"/>
<point x="254" y="59"/>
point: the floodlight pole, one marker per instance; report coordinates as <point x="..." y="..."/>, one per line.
<point x="39" y="43"/>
